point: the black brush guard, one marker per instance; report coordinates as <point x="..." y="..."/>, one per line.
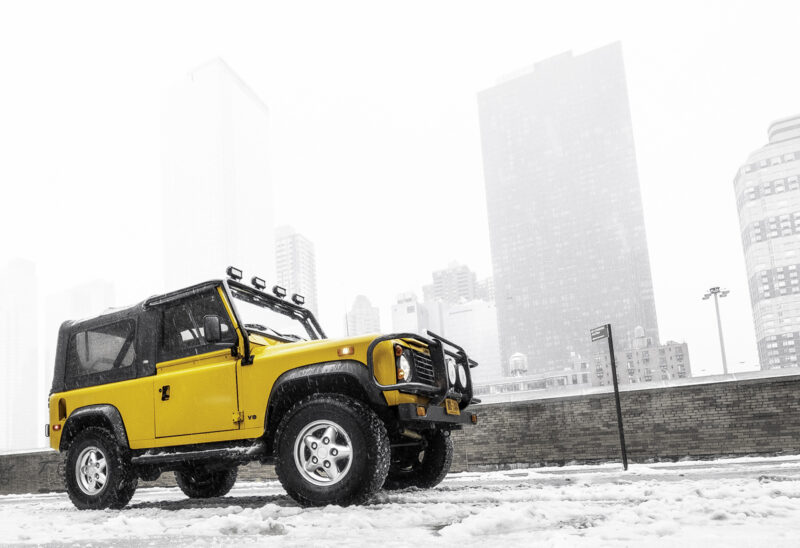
<point x="442" y="388"/>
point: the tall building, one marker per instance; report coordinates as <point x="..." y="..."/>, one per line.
<point x="21" y="398"/>
<point x="295" y="265"/>
<point x="363" y="318"/>
<point x="566" y="225"/>
<point x="409" y="315"/>
<point x="768" y="197"/>
<point x="473" y="325"/>
<point x="454" y="284"/>
<point x="217" y="193"/>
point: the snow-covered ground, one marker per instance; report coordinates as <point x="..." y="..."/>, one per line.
<point x="737" y="502"/>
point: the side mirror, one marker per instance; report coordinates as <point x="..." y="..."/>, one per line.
<point x="211" y="329"/>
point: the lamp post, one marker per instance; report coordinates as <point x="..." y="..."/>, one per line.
<point x="718" y="294"/>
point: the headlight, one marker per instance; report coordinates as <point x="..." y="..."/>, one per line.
<point x="462" y="376"/>
<point x="403" y="367"/>
<point x="451" y="369"/>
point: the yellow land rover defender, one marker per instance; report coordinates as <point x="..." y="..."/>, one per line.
<point x="203" y="379"/>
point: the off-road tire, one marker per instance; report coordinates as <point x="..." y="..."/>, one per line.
<point x="200" y="483"/>
<point x="369" y="458"/>
<point x="424" y="469"/>
<point x="121" y="480"/>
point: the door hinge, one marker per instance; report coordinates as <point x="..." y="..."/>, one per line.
<point x="238" y="417"/>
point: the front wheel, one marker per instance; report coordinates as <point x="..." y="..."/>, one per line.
<point x="331" y="449"/>
<point x="98" y="472"/>
<point x="424" y="467"/>
<point x="200" y="483"/>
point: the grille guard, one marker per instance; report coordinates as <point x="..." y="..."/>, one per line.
<point x="442" y="389"/>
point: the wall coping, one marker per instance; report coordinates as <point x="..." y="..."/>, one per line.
<point x="745" y="378"/>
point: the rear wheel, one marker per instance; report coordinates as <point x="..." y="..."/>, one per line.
<point x="98" y="472"/>
<point x="331" y="449"/>
<point x="200" y="483"/>
<point x="423" y="467"/>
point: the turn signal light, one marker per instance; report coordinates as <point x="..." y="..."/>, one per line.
<point x="474" y="418"/>
<point x="346" y="351"/>
<point x="398" y="350"/>
<point x="56" y="427"/>
<point x="420" y="411"/>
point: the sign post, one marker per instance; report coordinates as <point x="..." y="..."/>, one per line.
<point x="604" y="332"/>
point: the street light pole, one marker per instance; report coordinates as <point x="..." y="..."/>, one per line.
<point x="718" y="294"/>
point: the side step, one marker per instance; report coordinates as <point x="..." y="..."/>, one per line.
<point x="241" y="454"/>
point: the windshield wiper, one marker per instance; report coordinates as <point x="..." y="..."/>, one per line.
<point x="265" y="330"/>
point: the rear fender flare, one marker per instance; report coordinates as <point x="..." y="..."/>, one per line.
<point x="95" y="415"/>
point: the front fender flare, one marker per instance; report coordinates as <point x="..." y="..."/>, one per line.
<point x="324" y="373"/>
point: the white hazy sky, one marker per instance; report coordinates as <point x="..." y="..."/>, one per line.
<point x="374" y="133"/>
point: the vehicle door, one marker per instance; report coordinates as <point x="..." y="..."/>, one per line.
<point x="195" y="382"/>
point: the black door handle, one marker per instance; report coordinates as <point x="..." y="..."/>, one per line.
<point x="164" y="392"/>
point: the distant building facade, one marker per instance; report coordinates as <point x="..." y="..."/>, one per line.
<point x="566" y="224"/>
<point x="767" y="190"/>
<point x="295" y="265"/>
<point x="21" y="396"/>
<point x="453" y="284"/>
<point x="643" y="363"/>
<point x="363" y="318"/>
<point x="217" y="206"/>
<point x="473" y="325"/>
<point x="409" y="315"/>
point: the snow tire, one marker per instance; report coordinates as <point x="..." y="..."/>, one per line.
<point x="424" y="469"/>
<point x="97" y="447"/>
<point x="200" y="483"/>
<point x="363" y="430"/>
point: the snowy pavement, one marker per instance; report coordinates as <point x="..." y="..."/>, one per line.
<point x="737" y="502"/>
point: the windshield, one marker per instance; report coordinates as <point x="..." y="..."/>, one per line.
<point x="264" y="317"/>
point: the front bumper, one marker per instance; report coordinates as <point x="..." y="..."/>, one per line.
<point x="410" y="412"/>
<point x="441" y="387"/>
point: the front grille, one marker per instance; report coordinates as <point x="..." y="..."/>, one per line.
<point x="424" y="368"/>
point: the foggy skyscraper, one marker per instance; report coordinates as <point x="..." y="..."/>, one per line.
<point x="295" y="265"/>
<point x="566" y="226"/>
<point x="21" y="396"/>
<point x="363" y="318"/>
<point x="218" y="207"/>
<point x="768" y="196"/>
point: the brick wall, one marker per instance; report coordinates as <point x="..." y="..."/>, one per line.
<point x="742" y="417"/>
<point x="739" y="417"/>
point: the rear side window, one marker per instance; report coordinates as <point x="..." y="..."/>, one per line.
<point x="182" y="326"/>
<point x="100" y="349"/>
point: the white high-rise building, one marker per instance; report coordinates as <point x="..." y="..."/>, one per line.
<point x="217" y="193"/>
<point x="295" y="265"/>
<point x="363" y="318"/>
<point x="21" y="400"/>
<point x="768" y="196"/>
<point x="409" y="315"/>
<point x="473" y="326"/>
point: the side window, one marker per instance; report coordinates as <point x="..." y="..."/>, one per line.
<point x="100" y="349"/>
<point x="182" y="326"/>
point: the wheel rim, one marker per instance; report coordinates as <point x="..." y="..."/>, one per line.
<point x="323" y="453"/>
<point x="91" y="470"/>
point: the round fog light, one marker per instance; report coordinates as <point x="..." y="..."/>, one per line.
<point x="462" y="376"/>
<point x="451" y="369"/>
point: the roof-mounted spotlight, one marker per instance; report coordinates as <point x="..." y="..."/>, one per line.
<point x="298" y="299"/>
<point x="258" y="283"/>
<point x="279" y="291"/>
<point x="234" y="273"/>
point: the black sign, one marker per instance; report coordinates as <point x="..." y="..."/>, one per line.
<point x="598" y="333"/>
